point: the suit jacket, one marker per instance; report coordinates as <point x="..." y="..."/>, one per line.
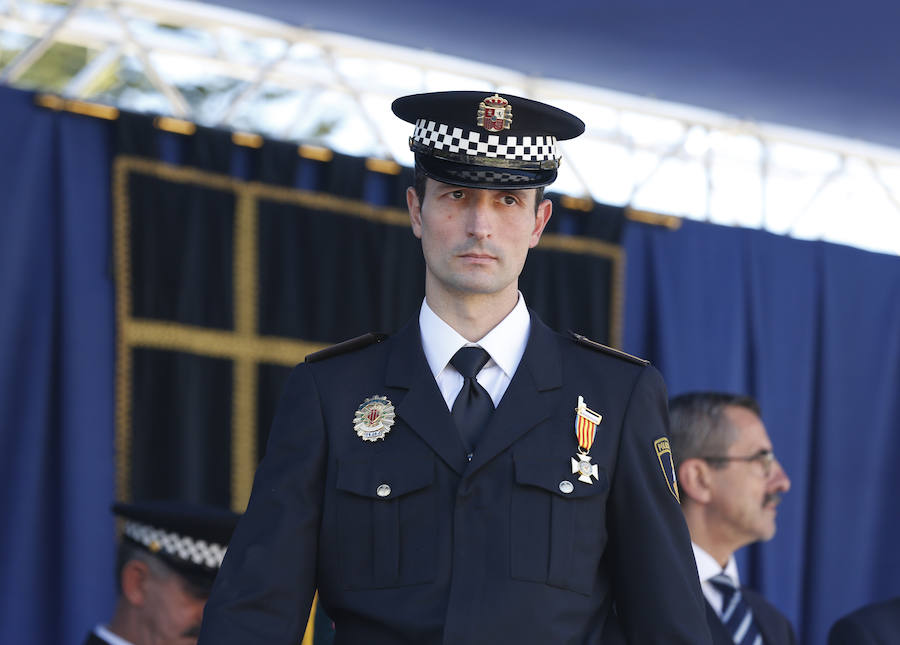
<point x="491" y="549"/>
<point x="774" y="626"/>
<point x="877" y="624"/>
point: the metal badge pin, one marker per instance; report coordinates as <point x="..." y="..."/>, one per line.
<point x="374" y="418"/>
<point x="494" y="114"/>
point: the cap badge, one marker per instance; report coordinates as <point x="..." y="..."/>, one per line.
<point x="494" y="114"/>
<point x="373" y="418"/>
<point x="586" y="421"/>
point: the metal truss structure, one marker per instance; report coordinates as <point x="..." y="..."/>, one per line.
<point x="222" y="68"/>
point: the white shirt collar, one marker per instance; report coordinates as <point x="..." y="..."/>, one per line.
<point x="505" y="343"/>
<point x="707" y="567"/>
<point x="103" y="632"/>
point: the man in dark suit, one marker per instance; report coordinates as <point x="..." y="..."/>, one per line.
<point x="875" y="624"/>
<point x="730" y="486"/>
<point x="168" y="557"/>
<point x="476" y="477"/>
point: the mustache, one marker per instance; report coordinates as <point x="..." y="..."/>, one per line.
<point x="772" y="498"/>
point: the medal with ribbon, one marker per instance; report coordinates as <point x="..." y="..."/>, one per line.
<point x="586" y="421"/>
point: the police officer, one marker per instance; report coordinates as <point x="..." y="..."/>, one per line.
<point x="476" y="477"/>
<point x="168" y="558"/>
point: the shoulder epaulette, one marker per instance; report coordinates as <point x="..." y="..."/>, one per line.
<point x="612" y="351"/>
<point x="346" y="346"/>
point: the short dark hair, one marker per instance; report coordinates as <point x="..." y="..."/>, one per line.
<point x="699" y="427"/>
<point x="420" y="181"/>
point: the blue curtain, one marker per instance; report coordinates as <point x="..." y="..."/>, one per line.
<point x="56" y="374"/>
<point x="813" y="331"/>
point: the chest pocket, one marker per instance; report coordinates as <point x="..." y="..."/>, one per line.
<point x="557" y="537"/>
<point x="387" y="527"/>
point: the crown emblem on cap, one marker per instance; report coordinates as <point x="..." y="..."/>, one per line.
<point x="494" y="114"/>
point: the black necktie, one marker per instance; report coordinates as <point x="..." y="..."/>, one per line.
<point x="736" y="613"/>
<point x="473" y="406"/>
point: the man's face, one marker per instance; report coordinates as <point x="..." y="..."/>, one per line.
<point x="172" y="611"/>
<point x="475" y="240"/>
<point x="744" y="497"/>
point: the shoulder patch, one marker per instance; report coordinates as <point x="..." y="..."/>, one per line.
<point x="666" y="463"/>
<point x="612" y="351"/>
<point x="346" y="346"/>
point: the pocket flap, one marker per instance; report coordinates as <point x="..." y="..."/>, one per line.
<point x="551" y="477"/>
<point x="384" y="478"/>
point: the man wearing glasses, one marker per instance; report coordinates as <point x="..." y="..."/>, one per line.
<point x="730" y="484"/>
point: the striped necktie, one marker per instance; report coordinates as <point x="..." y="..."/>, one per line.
<point x="736" y="613"/>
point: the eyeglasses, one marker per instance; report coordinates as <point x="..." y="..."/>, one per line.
<point x="765" y="458"/>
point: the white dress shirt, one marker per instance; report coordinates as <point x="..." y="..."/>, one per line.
<point x="707" y="567"/>
<point x="505" y="343"/>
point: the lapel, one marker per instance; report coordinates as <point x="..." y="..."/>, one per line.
<point x="423" y="407"/>
<point x="529" y="398"/>
<point x="761" y="616"/>
<point x="720" y="635"/>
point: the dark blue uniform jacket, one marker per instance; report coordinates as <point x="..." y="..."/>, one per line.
<point x="488" y="550"/>
<point x="877" y="624"/>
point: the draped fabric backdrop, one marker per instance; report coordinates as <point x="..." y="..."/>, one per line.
<point x="230" y="258"/>
<point x="56" y="373"/>
<point x="813" y="331"/>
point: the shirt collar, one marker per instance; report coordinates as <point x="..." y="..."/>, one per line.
<point x="707" y="567"/>
<point x="505" y="342"/>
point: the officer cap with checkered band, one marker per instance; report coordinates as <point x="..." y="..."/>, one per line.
<point x="486" y="139"/>
<point x="190" y="538"/>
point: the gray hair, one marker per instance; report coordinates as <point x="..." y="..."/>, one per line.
<point x="699" y="427"/>
<point x="129" y="551"/>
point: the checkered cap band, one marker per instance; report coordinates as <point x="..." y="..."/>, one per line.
<point x="505" y="150"/>
<point x="181" y="547"/>
<point x="490" y="176"/>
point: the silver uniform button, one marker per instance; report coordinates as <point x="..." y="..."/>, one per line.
<point x="383" y="491"/>
<point x="566" y="486"/>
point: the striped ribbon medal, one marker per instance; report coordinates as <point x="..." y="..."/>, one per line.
<point x="586" y="421"/>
